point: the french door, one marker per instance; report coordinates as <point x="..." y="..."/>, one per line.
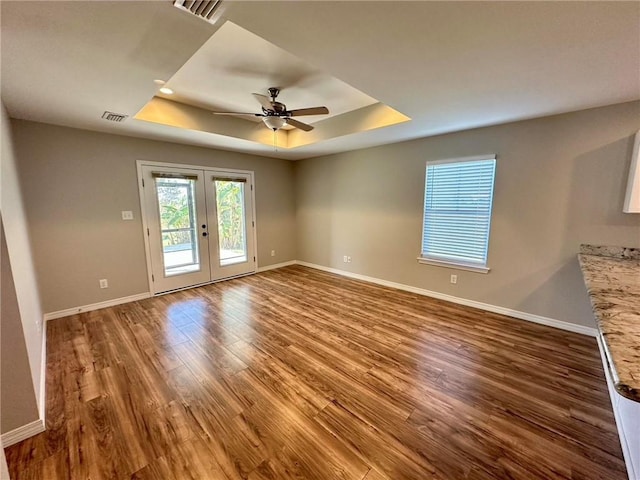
<point x="199" y="224"/>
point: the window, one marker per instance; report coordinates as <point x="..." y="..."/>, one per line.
<point x="457" y="212"/>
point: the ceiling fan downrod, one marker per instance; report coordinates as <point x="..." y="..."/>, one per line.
<point x="273" y="92"/>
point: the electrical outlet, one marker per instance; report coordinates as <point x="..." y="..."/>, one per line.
<point x="127" y="215"/>
<point x="104" y="283"/>
<point x="348" y="259"/>
<point x="345" y="259"/>
<point x="273" y="253"/>
<point x="454" y="279"/>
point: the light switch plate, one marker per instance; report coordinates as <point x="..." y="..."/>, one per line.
<point x="127" y="215"/>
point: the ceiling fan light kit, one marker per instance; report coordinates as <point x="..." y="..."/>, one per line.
<point x="275" y="114"/>
<point x="273" y="122"/>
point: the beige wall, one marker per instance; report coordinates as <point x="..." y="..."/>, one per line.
<point x="17" y="397"/>
<point x="22" y="319"/>
<point x="559" y="182"/>
<point x="76" y="183"/>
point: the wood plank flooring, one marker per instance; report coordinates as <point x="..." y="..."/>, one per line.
<point x="300" y="374"/>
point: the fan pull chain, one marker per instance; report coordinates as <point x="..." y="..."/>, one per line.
<point x="275" y="143"/>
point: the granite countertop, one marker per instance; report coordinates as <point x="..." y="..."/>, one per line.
<point x="612" y="277"/>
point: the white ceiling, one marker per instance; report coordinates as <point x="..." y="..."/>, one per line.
<point x="224" y="72"/>
<point x="447" y="65"/>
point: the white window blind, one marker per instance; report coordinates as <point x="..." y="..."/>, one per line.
<point x="457" y="211"/>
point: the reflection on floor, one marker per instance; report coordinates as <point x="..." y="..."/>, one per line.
<point x="300" y="374"/>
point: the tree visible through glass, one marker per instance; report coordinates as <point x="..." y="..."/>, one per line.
<point x="231" y="221"/>
<point x="176" y="203"/>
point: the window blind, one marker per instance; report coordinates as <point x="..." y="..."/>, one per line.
<point x="180" y="176"/>
<point x="228" y="179"/>
<point x="457" y="210"/>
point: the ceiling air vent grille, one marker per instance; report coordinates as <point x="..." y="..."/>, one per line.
<point x="204" y="9"/>
<point x="114" y="117"/>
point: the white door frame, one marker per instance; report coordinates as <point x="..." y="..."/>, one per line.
<point x="219" y="271"/>
<point x="164" y="282"/>
<point x="145" y="226"/>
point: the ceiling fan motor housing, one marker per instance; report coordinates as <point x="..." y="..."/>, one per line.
<point x="277" y="108"/>
<point x="275" y="114"/>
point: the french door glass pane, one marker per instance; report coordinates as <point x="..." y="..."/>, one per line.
<point x="177" y="207"/>
<point x="232" y="235"/>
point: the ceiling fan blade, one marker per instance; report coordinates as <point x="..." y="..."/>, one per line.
<point x="300" y="125"/>
<point x="308" y="111"/>
<point x="244" y="114"/>
<point x="263" y="100"/>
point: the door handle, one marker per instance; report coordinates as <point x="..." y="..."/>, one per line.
<point x="204" y="234"/>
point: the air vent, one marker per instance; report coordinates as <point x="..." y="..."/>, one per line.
<point x="204" y="9"/>
<point x="114" y="117"/>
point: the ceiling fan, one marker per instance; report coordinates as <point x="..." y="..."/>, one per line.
<point x="275" y="114"/>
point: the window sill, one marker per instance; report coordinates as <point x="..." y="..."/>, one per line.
<point x="453" y="264"/>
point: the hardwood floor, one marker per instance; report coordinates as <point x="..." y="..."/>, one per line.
<point x="299" y="374"/>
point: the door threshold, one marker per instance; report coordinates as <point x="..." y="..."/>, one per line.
<point x="158" y="294"/>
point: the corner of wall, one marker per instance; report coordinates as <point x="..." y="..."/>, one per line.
<point x="19" y="256"/>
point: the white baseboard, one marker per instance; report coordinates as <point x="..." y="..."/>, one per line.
<point x="96" y="306"/>
<point x="530" y="317"/>
<point x="132" y="298"/>
<point x="23" y="432"/>
<point x="276" y="265"/>
<point x="37" y="426"/>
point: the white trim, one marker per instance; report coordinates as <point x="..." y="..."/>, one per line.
<point x="217" y="270"/>
<point x="632" y="197"/>
<point x="254" y="214"/>
<point x="453" y="264"/>
<point x="133" y="298"/>
<point x="530" y="317"/>
<point x="140" y="164"/>
<point x="22" y="433"/>
<point x="145" y="226"/>
<point x="276" y="265"/>
<point x="453" y="256"/>
<point x="43" y="376"/>
<point x="613" y="395"/>
<point x="210" y="282"/>
<point x="189" y="166"/>
<point x="474" y="158"/>
<point x="96" y="306"/>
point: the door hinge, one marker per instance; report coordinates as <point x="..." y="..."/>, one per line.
<point x="252" y="187"/>
<point x="253" y="224"/>
<point x="254" y="259"/>
<point x="153" y="279"/>
<point x="147" y="232"/>
<point x="143" y="183"/>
